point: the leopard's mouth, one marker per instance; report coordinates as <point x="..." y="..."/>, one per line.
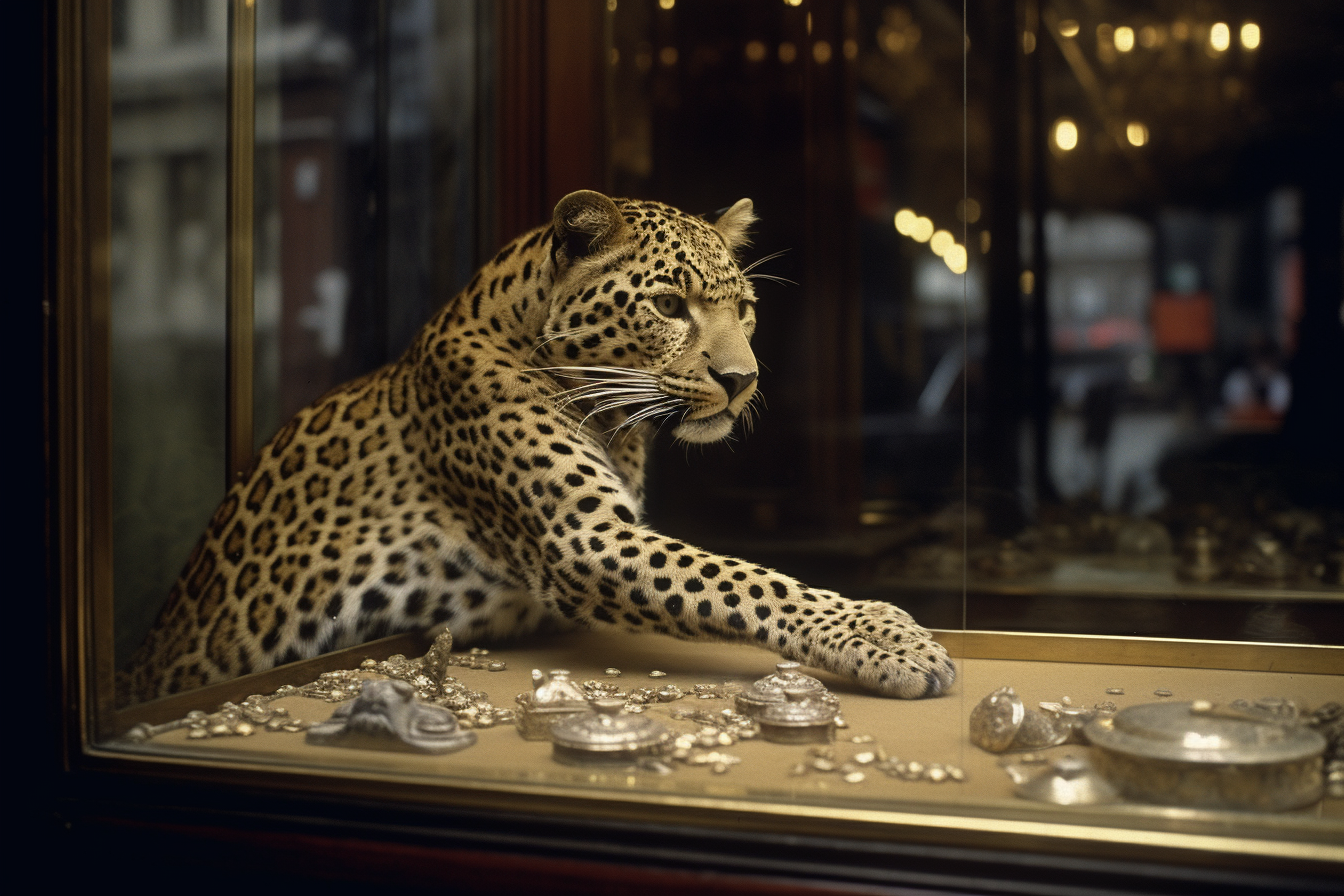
<point x="706" y="429"/>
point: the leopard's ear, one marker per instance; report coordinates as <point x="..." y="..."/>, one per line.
<point x="734" y="224"/>
<point x="586" y="223"/>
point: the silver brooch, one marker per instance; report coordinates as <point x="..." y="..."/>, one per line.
<point x="387" y="716"/>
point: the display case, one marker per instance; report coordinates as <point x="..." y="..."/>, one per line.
<point x="1051" y="323"/>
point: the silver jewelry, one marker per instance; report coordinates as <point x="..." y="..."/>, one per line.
<point x="607" y="736"/>
<point x="770" y="690"/>
<point x="387" y="716"/>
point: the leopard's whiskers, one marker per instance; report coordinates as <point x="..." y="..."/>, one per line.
<point x="746" y="271"/>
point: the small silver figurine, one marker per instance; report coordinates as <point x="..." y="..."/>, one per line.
<point x="387" y="716"/>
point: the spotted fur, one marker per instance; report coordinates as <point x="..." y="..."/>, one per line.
<point x="492" y="478"/>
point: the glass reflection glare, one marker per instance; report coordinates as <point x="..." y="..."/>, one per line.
<point x="955" y="258"/>
<point x="1066" y="134"/>
<point x="940" y="242"/>
<point x="1220" y="37"/>
<point x="1250" y="36"/>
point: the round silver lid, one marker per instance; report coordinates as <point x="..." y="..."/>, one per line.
<point x="801" y="708"/>
<point x="770" y="689"/>
<point x="608" y="729"/>
<point x="1201" y="732"/>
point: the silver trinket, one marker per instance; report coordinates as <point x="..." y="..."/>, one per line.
<point x="554" y="697"/>
<point x="608" y="736"/>
<point x="1068" y="781"/>
<point x="770" y="689"/>
<point x="803" y="718"/>
<point x="387" y="716"/>
<point x="1000" y="722"/>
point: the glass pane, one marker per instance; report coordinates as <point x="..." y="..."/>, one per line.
<point x="365" y="221"/>
<point x="365" y="202"/>
<point x="1172" y="477"/>
<point x="168" y="253"/>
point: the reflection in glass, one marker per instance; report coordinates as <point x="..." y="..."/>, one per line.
<point x="365" y="211"/>
<point x="1118" y="335"/>
<point x="167" y="252"/>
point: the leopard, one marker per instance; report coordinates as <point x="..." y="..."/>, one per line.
<point x="491" y="480"/>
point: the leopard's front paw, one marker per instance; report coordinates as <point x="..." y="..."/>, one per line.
<point x="881" y="647"/>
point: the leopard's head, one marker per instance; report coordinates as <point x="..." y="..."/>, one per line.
<point x="651" y="314"/>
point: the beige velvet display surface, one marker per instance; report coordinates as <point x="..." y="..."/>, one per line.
<point x="926" y="731"/>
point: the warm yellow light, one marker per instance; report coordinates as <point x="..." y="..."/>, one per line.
<point x="793" y="2"/>
<point x="1149" y="37"/>
<point x="611" y="5"/>
<point x="984" y="242"/>
<point x="1180" y="30"/>
<point x="941" y="241"/>
<point x="905" y="221"/>
<point x="1066" y="134"/>
<point x="1028" y="42"/>
<point x="1250" y="35"/>
<point x="615" y="57"/>
<point x="1026" y="284"/>
<point x="1220" y="36"/>
<point x="755" y="51"/>
<point x="821" y="51"/>
<point x="955" y="258"/>
<point x="968" y="210"/>
<point x="1124" y="38"/>
<point x="666" y="4"/>
<point x="1137" y="133"/>
<point x="1068" y="28"/>
<point x="668" y="56"/>
<point x="921" y="230"/>
<point x="851" y="49"/>
<point x="787" y="52"/>
<point x="892" y="40"/>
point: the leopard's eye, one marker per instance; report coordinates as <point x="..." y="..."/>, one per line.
<point x="669" y="304"/>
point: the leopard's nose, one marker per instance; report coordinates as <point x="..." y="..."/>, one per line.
<point x="733" y="383"/>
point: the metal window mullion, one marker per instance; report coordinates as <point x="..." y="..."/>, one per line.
<point x="238" y="283"/>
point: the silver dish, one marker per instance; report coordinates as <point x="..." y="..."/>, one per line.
<point x="608" y="736"/>
<point x="1201" y="756"/>
<point x="1068" y="781"/>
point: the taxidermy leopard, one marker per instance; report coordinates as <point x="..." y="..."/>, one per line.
<point x="492" y="478"/>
